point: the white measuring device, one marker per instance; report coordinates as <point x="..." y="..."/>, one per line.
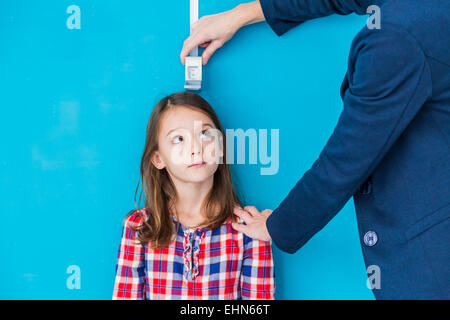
<point x="193" y="63"/>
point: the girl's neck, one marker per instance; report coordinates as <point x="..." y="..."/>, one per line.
<point x="189" y="204"/>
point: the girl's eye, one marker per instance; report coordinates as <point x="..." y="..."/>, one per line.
<point x="177" y="139"/>
<point x="206" y="134"/>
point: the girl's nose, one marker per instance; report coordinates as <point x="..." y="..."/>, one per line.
<point x="196" y="147"/>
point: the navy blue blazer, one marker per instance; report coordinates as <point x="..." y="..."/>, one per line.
<point x="390" y="148"/>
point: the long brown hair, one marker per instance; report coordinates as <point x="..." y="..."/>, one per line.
<point x="159" y="190"/>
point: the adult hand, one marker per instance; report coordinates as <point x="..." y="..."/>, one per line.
<point x="212" y="31"/>
<point x="255" y="222"/>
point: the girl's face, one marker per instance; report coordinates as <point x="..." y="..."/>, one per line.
<point x="188" y="143"/>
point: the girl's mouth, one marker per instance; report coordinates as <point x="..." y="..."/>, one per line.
<point x="199" y="164"/>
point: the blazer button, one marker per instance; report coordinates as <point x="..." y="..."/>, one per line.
<point x="370" y="238"/>
<point x="366" y="187"/>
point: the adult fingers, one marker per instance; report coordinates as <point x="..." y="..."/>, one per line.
<point x="239" y="227"/>
<point x="210" y="49"/>
<point x="190" y="43"/>
<point x="204" y="45"/>
<point x="243" y="214"/>
<point x="253" y="211"/>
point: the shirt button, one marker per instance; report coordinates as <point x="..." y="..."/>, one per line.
<point x="370" y="238"/>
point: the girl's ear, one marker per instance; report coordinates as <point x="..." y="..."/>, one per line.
<point x="157" y="161"/>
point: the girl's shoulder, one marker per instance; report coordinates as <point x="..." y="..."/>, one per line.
<point x="135" y="218"/>
<point x="248" y="241"/>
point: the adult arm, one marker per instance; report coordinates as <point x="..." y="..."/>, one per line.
<point x="387" y="83"/>
<point x="213" y="31"/>
<point x="283" y="15"/>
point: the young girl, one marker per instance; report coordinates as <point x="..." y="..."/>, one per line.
<point x="181" y="244"/>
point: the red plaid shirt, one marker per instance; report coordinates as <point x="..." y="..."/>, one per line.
<point x="199" y="264"/>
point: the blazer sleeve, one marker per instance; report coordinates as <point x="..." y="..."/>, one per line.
<point x="282" y="15"/>
<point x="387" y="82"/>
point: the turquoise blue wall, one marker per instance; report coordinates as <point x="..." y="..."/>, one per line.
<point x="75" y="105"/>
